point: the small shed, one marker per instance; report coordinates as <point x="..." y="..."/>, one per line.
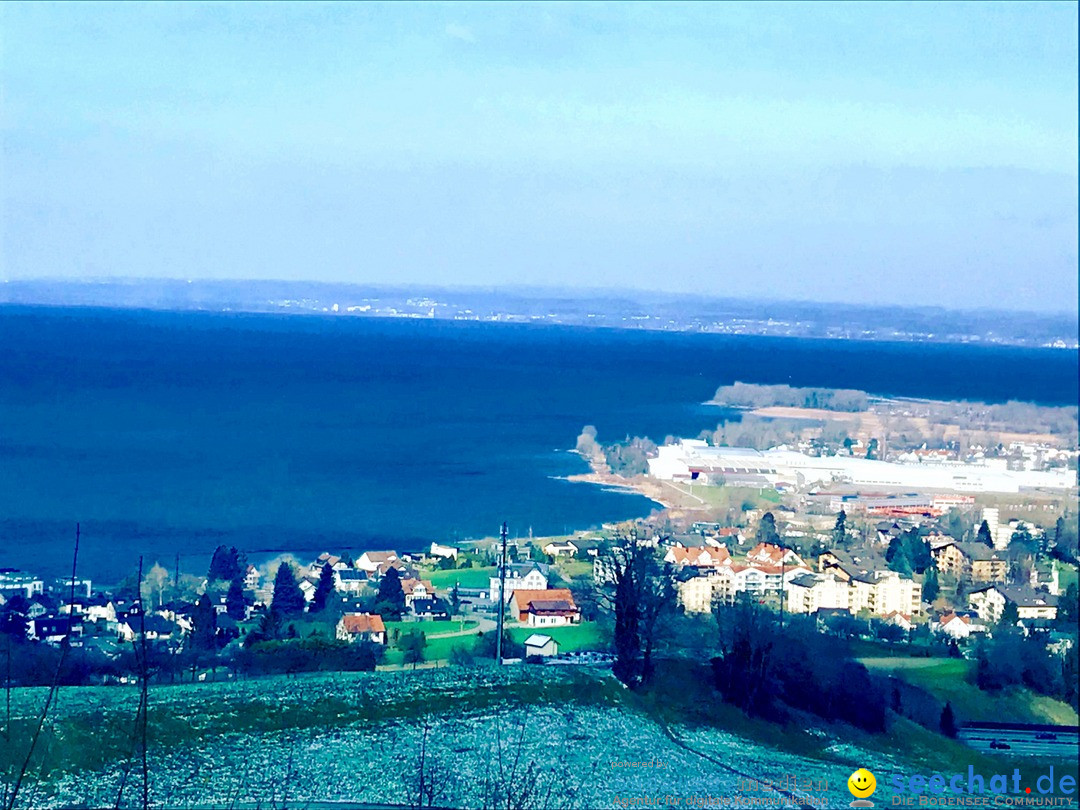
<point x="539" y="644"/>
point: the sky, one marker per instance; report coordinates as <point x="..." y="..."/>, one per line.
<point x="863" y="153"/>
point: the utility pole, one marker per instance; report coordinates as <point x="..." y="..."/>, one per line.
<point x="502" y="597"/>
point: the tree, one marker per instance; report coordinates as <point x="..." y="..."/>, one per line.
<point x="412" y="645"/>
<point x="204" y="621"/>
<point x="1068" y="610"/>
<point x="766" y="531"/>
<point x="931" y="587"/>
<point x="896" y="556"/>
<point x="948" y="721"/>
<point x="226" y="564"/>
<point x="324" y="590"/>
<point x="839" y="532"/>
<point x="390" y="600"/>
<point x="642" y="593"/>
<point x="455" y="600"/>
<point x="235" y="603"/>
<point x="872" y="449"/>
<point x="984" y="535"/>
<point x="288" y="599"/>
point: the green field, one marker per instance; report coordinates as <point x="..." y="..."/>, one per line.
<point x="584" y="636"/>
<point x="946" y="679"/>
<point x="464" y="577"/>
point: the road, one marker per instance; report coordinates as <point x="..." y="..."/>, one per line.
<point x="1025" y="741"/>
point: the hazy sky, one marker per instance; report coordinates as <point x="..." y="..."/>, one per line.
<point x="898" y="153"/>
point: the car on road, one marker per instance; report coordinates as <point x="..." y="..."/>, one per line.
<point x="1000" y="746"/>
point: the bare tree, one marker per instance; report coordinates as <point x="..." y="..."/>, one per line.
<point x="637" y="587"/>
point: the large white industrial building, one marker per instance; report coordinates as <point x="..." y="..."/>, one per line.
<point x="692" y="460"/>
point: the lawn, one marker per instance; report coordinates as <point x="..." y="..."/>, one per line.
<point x="584" y="636"/>
<point x="430" y="629"/>
<point x="945" y="679"/>
<point x="437" y="649"/>
<point x="1067" y="575"/>
<point x="574" y="569"/>
<point x="464" y="577"/>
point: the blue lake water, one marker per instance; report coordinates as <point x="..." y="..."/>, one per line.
<point x="178" y="431"/>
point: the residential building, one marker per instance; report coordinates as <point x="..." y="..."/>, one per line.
<point x="417" y="589"/>
<point x="14" y="582"/>
<point x="548" y="607"/>
<point x="444" y="552"/>
<point x="809" y="593"/>
<point x="697" y="556"/>
<point x="370" y="561"/>
<point x="990" y="602"/>
<point x="529" y="576"/>
<point x="773" y="555"/>
<point x="971" y="562"/>
<point x="361" y="627"/>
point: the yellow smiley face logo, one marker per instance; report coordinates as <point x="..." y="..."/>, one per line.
<point x="862" y="783"/>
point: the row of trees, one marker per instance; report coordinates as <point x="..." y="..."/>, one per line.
<point x="748" y="395"/>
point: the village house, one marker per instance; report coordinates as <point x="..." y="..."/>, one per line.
<point x="957" y="626"/>
<point x="697" y="556"/>
<point x="361" y="627"/>
<point x="351" y="581"/>
<point x="990" y="601"/>
<point x="251" y="578"/>
<point x="551" y="607"/>
<point x="899" y="619"/>
<point x="971" y="562"/>
<point x="769" y="554"/>
<point x="417" y="589"/>
<point x="444" y="552"/>
<point x="370" y="561"/>
<point x="528" y="576"/>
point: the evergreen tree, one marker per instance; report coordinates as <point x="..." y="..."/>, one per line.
<point x="900" y="562"/>
<point x="204" y="631"/>
<point x="766" y="532"/>
<point x="455" y="600"/>
<point x="288" y="599"/>
<point x="324" y="590"/>
<point x="226" y="564"/>
<point x="235" y="603"/>
<point x="931" y="587"/>
<point x="948" y="721"/>
<point x="984" y="535"/>
<point x="390" y="600"/>
<point x="872" y="449"/>
<point x="839" y="532"/>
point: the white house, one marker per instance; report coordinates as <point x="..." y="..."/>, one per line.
<point x="445" y="552"/>
<point x="527" y="576"/>
<point x="371" y="561"/>
<point x="361" y="627"/>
